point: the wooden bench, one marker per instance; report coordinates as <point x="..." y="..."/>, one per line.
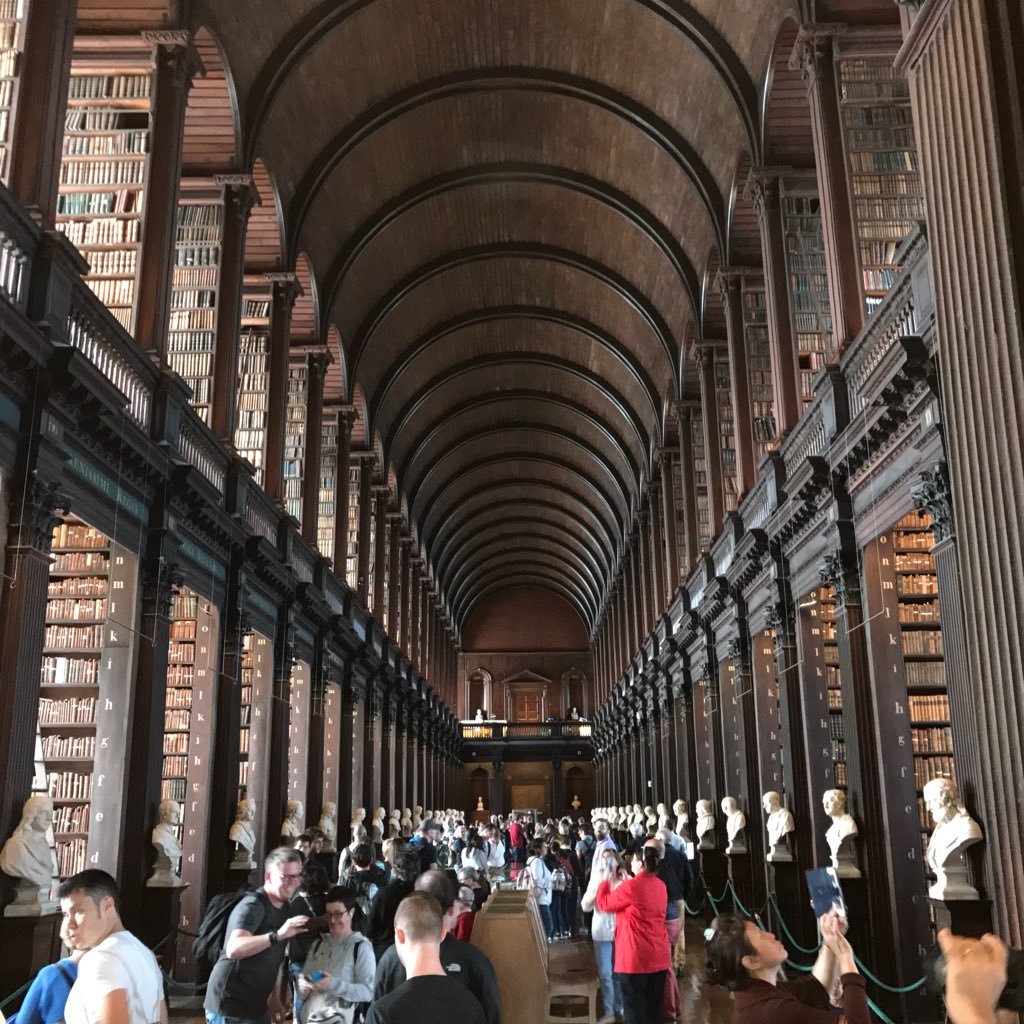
<point x="555" y="984"/>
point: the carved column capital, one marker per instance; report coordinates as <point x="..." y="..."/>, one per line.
<point x="35" y="511"/>
<point x="834" y="572"/>
<point x="932" y="496"/>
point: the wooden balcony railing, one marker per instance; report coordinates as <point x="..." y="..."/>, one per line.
<point x="505" y="731"/>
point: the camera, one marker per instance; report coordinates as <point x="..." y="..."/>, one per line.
<point x="1012" y="997"/>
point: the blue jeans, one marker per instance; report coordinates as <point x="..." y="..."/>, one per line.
<point x="545" y="916"/>
<point x="611" y="996"/>
<point x="560" y="912"/>
<point x="216" y="1018"/>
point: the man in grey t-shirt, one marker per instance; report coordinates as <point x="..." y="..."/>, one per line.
<point x="245" y="977"/>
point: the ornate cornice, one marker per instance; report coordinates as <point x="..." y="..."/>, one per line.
<point x="932" y="496"/>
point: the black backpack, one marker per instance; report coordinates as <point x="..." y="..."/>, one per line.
<point x="212" y="932"/>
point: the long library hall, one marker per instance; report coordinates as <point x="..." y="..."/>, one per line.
<point x="571" y="442"/>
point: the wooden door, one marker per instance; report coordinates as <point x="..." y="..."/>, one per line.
<point x="530" y="795"/>
<point x="526" y="706"/>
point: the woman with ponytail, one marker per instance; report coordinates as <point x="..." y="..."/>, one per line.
<point x="641" y="943"/>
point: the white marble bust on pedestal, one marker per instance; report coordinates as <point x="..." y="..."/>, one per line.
<point x="706" y="839"/>
<point x="650" y="819"/>
<point x="735" y="827"/>
<point x="377" y="824"/>
<point x="841" y="836"/>
<point x="294" y="820"/>
<point x="955" y="832"/>
<point x="407" y="828"/>
<point x="664" y="821"/>
<point x="242" y="835"/>
<point x="682" y="820"/>
<point x="28" y="859"/>
<point x="780" y="824"/>
<point x="357" y="819"/>
<point x="328" y="824"/>
<point x="394" y="823"/>
<point x="167" y="865"/>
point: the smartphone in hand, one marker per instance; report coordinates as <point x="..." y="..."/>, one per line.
<point x="826" y="892"/>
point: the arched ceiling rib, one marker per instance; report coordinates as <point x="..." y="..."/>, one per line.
<point x="509" y="206"/>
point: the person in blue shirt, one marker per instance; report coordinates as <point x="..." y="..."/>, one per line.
<point x="44" y="1001"/>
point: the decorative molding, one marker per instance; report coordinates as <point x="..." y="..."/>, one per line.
<point x="37" y="511"/>
<point x="932" y="496"/>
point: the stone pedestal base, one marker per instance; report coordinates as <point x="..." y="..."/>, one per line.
<point x="161" y="911"/>
<point x="963" y="917"/>
<point x="28" y="944"/>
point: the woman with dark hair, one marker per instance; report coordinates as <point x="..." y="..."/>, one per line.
<point x="339" y="969"/>
<point x="749" y="962"/>
<point x="641" y="943"/>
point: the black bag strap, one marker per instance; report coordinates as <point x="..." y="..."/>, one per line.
<point x="65" y="973"/>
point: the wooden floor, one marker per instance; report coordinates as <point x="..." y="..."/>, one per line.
<point x="700" y="1003"/>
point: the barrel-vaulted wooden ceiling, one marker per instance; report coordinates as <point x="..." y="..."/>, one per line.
<point x="509" y="208"/>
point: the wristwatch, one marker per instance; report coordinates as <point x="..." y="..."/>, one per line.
<point x="273" y="938"/>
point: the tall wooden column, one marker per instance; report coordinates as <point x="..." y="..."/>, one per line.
<point x="346" y="417"/>
<point x="395" y="577"/>
<point x="285" y="289"/>
<point x="22" y="626"/>
<point x="316" y="371"/>
<point x="657" y="538"/>
<point x="684" y="413"/>
<point x="671" y="550"/>
<point x="382" y="495"/>
<point x="239" y="198"/>
<point x="272" y="814"/>
<point x="405" y="609"/>
<point x="348" y="793"/>
<point x="644" y="574"/>
<point x="366" y="463"/>
<point x="42" y="100"/>
<point x="730" y="287"/>
<point x="814" y="55"/>
<point x="401" y="741"/>
<point x="415" y="565"/>
<point x="386" y="790"/>
<point x="176" y="64"/>
<point x="964" y="64"/>
<point x="372" y="749"/>
<point x="705" y="356"/>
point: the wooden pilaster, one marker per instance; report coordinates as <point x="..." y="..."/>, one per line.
<point x="705" y="357"/>
<point x="285" y="289"/>
<point x="730" y="286"/>
<point x="316" y="371"/>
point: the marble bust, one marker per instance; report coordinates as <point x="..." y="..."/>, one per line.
<point x="417" y="818"/>
<point x="167" y="865"/>
<point x="395" y="823"/>
<point x="291" y="827"/>
<point x="955" y="832"/>
<point x="735" y="826"/>
<point x="377" y="824"/>
<point x="651" y="819"/>
<point x="664" y="821"/>
<point x="682" y="820"/>
<point x="27" y="858"/>
<point x="357" y="819"/>
<point x="705" y="825"/>
<point x="780" y="824"/>
<point x="329" y="825"/>
<point x="841" y="836"/>
<point x="242" y="835"/>
<point x="406" y="822"/>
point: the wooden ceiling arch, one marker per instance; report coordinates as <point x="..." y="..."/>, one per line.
<point x="507" y="579"/>
<point x="314" y="26"/>
<point x="559" y="500"/>
<point x="448" y="421"/>
<point x="527" y="553"/>
<point x="391" y="302"/>
<point x="531" y="173"/>
<point x="569" y="470"/>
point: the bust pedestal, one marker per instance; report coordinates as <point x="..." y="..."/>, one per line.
<point x="28" y="944"/>
<point x="161" y="911"/>
<point x="29" y="901"/>
<point x="972" y="918"/>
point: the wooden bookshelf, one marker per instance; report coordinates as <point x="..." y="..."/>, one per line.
<point x="881" y="153"/>
<point x="298" y="732"/>
<point x="103" y="173"/>
<point x="245" y="719"/>
<point x="253" y="375"/>
<point x="382" y="612"/>
<point x="833" y="683"/>
<point x="12" y="19"/>
<point x="808" y="281"/>
<point x="84" y="692"/>
<point x="327" y="497"/>
<point x="726" y="429"/>
<point x="921" y="642"/>
<point x="371" y="558"/>
<point x="759" y="367"/>
<point x="700" y="479"/>
<point x="194" y="286"/>
<point x="352" y="532"/>
<point x="295" y="439"/>
<point x="677" y="489"/>
<point x="254" y="747"/>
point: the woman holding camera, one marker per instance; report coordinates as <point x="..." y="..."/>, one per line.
<point x="340" y="966"/>
<point x="749" y="962"/>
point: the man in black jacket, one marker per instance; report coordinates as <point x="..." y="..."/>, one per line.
<point x="674" y="871"/>
<point x="460" y="960"/>
<point x="380" y="924"/>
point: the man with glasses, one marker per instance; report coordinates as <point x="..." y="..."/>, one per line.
<point x="243" y="984"/>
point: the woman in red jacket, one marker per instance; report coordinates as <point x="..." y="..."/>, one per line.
<point x="641" y="942"/>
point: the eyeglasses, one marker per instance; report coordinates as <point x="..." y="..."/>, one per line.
<point x="290" y="877"/>
<point x="337" y="913"/>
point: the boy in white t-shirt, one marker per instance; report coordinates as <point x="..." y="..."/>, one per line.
<point x="119" y="981"/>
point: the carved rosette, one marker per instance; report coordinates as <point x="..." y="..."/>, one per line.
<point x="932" y="496"/>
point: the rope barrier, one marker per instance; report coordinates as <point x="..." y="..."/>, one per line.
<point x="788" y="933"/>
<point x="899" y="990"/>
<point x="878" y="1012"/>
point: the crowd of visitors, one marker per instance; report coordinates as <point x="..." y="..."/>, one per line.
<point x="380" y="934"/>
